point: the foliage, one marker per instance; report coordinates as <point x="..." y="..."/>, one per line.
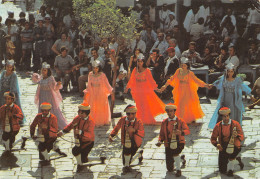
<point x="242" y="76"/>
<point x="104" y="19"/>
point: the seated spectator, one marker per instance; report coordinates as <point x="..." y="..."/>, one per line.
<point x="160" y="44"/>
<point x="95" y="56"/>
<point x="219" y="64"/>
<point x="173" y="43"/>
<point x="138" y="43"/>
<point x="81" y="70"/>
<point x="207" y="58"/>
<point x="232" y="57"/>
<point x="253" y="53"/>
<point x="149" y="37"/>
<point x="133" y="62"/>
<point x="213" y="43"/>
<point x="108" y="67"/>
<point x="197" y="30"/>
<point x="100" y="50"/>
<point x="230" y="31"/>
<point x="226" y="42"/>
<point x="64" y="66"/>
<point x="191" y="54"/>
<point x="155" y="63"/>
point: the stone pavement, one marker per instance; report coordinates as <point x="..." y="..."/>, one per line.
<point x="201" y="156"/>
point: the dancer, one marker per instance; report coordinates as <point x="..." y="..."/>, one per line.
<point x="10" y="115"/>
<point x="9" y="83"/>
<point x="142" y="87"/>
<point x="185" y="96"/>
<point x="172" y="134"/>
<point x="47" y="133"/>
<point x="48" y="91"/>
<point x="230" y="95"/>
<point x="84" y="135"/>
<point x="227" y="136"/>
<point x="132" y="132"/>
<point x="96" y="95"/>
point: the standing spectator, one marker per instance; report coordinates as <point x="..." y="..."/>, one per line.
<point x="171" y="22"/>
<point x="49" y="39"/>
<point x="27" y="44"/>
<point x="64" y="65"/>
<point x="10" y="48"/>
<point x="163" y="16"/>
<point x="67" y="18"/>
<point x="84" y="40"/>
<point x="62" y="42"/>
<point x="39" y="53"/>
<point x="253" y="20"/>
<point x="229" y="15"/>
<point x="203" y="12"/>
<point x="73" y="36"/>
<point x="153" y="13"/>
<point x="95" y="56"/>
<point x="197" y="30"/>
<point x="2" y="45"/>
<point x="11" y="29"/>
<point x="190" y="19"/>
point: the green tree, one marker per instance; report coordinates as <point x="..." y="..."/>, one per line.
<point x="104" y="19"/>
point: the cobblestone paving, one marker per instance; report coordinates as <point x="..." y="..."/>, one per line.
<point x="201" y="156"/>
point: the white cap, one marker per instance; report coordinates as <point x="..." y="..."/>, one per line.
<point x="184" y="60"/>
<point x="140" y="56"/>
<point x="40" y="19"/>
<point x="47" y="16"/>
<point x="45" y="65"/>
<point x="96" y="63"/>
<point x="10" y="62"/>
<point x="230" y="66"/>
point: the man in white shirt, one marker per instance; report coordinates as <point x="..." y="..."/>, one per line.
<point x="190" y="19"/>
<point x="229" y="14"/>
<point x="203" y="11"/>
<point x="163" y="16"/>
<point x="161" y="44"/>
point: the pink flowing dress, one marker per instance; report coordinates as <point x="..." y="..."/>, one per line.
<point x="96" y="95"/>
<point x="48" y="91"/>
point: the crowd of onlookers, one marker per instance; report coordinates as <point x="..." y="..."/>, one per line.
<point x="206" y="35"/>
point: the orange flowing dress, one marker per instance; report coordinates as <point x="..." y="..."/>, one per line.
<point x="96" y="95"/>
<point x="148" y="104"/>
<point x="185" y="95"/>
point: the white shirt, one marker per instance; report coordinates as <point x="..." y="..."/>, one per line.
<point x="229" y="122"/>
<point x="140" y="44"/>
<point x="152" y="13"/>
<point x="196" y="31"/>
<point x="204" y="13"/>
<point x="168" y="63"/>
<point x="98" y="58"/>
<point x="234" y="60"/>
<point x="67" y="20"/>
<point x="233" y="20"/>
<point x="189" y="20"/>
<point x="174" y="119"/>
<point x="162" y="46"/>
<point x="253" y="17"/>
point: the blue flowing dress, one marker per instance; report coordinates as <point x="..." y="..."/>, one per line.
<point x="230" y="96"/>
<point x="10" y="83"/>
